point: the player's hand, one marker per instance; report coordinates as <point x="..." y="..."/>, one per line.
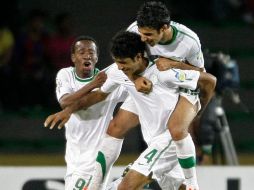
<point x="100" y="78"/>
<point x="143" y="85"/>
<point x="57" y="119"/>
<point x="164" y="64"/>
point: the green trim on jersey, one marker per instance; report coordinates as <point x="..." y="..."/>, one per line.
<point x="175" y="31"/>
<point x="95" y="72"/>
<point x="102" y="161"/>
<point x="189" y="36"/>
<point x="150" y="64"/>
<point x="187" y="162"/>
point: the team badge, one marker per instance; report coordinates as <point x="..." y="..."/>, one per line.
<point x="181" y="76"/>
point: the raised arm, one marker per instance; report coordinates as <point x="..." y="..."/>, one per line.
<point x="60" y="118"/>
<point x="69" y="99"/>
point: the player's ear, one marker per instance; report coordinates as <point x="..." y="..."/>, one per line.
<point x="139" y="56"/>
<point x="96" y="59"/>
<point x="73" y="59"/>
<point x="164" y="27"/>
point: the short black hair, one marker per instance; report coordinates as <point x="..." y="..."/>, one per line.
<point x="153" y="14"/>
<point x="86" y="38"/>
<point x="127" y="44"/>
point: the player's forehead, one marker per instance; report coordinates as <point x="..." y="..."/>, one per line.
<point x="122" y="60"/>
<point x="147" y="30"/>
<point x="85" y="44"/>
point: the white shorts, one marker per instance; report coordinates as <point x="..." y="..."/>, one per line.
<point x="160" y="159"/>
<point x="77" y="181"/>
<point x="193" y="99"/>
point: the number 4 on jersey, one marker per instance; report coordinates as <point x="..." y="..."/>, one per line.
<point x="150" y="155"/>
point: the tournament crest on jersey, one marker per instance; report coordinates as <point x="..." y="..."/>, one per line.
<point x="154" y="78"/>
<point x="181" y="76"/>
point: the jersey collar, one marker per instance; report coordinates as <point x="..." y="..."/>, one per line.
<point x="175" y="31"/>
<point x="95" y="72"/>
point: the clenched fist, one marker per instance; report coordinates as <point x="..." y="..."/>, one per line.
<point x="100" y="78"/>
<point x="143" y="85"/>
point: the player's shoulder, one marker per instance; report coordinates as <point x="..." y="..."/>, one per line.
<point x="64" y="72"/>
<point x="111" y="68"/>
<point x="133" y="27"/>
<point x="114" y="73"/>
<point x="183" y="30"/>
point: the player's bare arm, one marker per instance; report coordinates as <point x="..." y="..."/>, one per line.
<point x="69" y="99"/>
<point x="163" y="64"/>
<point x="206" y="83"/>
<point x="145" y="86"/>
<point x="60" y="118"/>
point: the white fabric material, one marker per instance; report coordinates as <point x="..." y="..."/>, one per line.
<point x="160" y="159"/>
<point x="74" y="181"/>
<point x="129" y="105"/>
<point x="85" y="128"/>
<point x="162" y="100"/>
<point x="185" y="148"/>
<point x="185" y="47"/>
<point x="110" y="148"/>
<point x="154" y="110"/>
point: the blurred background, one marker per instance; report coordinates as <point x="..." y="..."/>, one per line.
<point x="35" y="39"/>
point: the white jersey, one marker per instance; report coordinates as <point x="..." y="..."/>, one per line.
<point x="184" y="46"/>
<point x="154" y="108"/>
<point x="85" y="128"/>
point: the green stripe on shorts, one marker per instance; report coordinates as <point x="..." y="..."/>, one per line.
<point x="101" y="159"/>
<point x="160" y="154"/>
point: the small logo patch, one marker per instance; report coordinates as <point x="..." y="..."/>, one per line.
<point x="181" y="76"/>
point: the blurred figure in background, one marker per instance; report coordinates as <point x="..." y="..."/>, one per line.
<point x="32" y="62"/>
<point x="212" y="133"/>
<point x="60" y="42"/>
<point x="6" y="48"/>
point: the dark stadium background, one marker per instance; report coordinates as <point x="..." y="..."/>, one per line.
<point x="220" y="26"/>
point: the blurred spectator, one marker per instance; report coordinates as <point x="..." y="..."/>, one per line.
<point x="248" y="14"/>
<point x="207" y="131"/>
<point x="6" y="47"/>
<point x="32" y="63"/>
<point x="6" y="44"/>
<point x="60" y="42"/>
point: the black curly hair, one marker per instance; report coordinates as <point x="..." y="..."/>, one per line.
<point x="153" y="14"/>
<point x="85" y="38"/>
<point x="127" y="44"/>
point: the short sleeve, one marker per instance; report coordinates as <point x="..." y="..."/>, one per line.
<point x="112" y="78"/>
<point x="63" y="85"/>
<point x="195" y="56"/>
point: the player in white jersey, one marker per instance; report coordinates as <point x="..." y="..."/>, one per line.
<point x="168" y="39"/>
<point x="85" y="128"/>
<point x="164" y="169"/>
<point x="153" y="110"/>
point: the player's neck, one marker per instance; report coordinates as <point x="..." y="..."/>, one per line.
<point x="143" y="66"/>
<point x="84" y="75"/>
<point x="167" y="36"/>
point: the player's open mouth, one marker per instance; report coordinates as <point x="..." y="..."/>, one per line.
<point x="87" y="64"/>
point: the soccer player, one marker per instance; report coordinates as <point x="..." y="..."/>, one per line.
<point x="168" y="39"/>
<point x="159" y="160"/>
<point x="85" y="128"/>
